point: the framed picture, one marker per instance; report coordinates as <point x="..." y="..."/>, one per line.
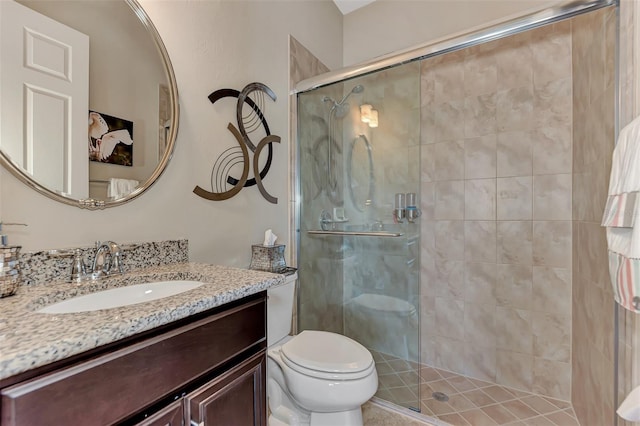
<point x="110" y="139"/>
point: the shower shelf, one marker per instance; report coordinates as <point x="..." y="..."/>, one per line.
<point x="358" y="233"/>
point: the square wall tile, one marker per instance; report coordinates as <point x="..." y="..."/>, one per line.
<point x="480" y="362"/>
<point x="552" y="151"/>
<point x="552" y="378"/>
<point x="480" y="324"/>
<point x="448" y="158"/>
<point x="447" y="119"/>
<point x="552" y="54"/>
<point x="449" y="354"/>
<point x="480" y="74"/>
<point x="479" y="115"/>
<point x="515" y="109"/>
<point x="449" y="200"/>
<point x="514" y="154"/>
<point x="449" y="318"/>
<point x="552" y="336"/>
<point x="514" y="286"/>
<point x="552" y="197"/>
<point x="480" y="199"/>
<point x="515" y="62"/>
<point x="514" y="370"/>
<point x="515" y="242"/>
<point x="449" y="279"/>
<point x="552" y="243"/>
<point x="450" y="239"/>
<point x="515" y="198"/>
<point x="449" y="80"/>
<point x="480" y="157"/>
<point x="553" y="104"/>
<point x="552" y="290"/>
<point x="480" y="283"/>
<point x="480" y="241"/>
<point x="513" y="330"/>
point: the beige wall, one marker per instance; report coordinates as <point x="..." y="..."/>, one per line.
<point x="213" y="45"/>
<point x="386" y="26"/>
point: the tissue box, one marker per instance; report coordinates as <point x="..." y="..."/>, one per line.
<point x="268" y="258"/>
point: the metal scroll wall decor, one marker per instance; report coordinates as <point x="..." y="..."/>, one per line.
<point x="250" y="123"/>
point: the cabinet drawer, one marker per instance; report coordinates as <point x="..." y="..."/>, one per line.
<point x="112" y="387"/>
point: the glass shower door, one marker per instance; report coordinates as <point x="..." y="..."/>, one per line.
<point x="359" y="256"/>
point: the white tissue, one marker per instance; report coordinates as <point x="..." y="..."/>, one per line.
<point x="630" y="407"/>
<point x="269" y="238"/>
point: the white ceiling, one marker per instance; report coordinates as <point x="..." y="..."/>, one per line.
<point x="347" y="6"/>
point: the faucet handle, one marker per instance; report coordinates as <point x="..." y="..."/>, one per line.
<point x="115" y="259"/>
<point x="116" y="264"/>
<point x="78" y="268"/>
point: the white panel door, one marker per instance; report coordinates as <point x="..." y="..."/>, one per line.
<point x="44" y="98"/>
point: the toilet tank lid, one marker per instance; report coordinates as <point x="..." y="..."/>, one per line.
<point x="327" y="352"/>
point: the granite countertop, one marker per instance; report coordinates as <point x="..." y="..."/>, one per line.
<point x="29" y="339"/>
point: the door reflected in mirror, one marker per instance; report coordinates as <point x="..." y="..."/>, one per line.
<point x="109" y="84"/>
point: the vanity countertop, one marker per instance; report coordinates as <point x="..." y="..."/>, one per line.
<point x="29" y="339"/>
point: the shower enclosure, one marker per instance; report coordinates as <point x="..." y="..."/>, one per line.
<point x="478" y="310"/>
<point x="359" y="264"/>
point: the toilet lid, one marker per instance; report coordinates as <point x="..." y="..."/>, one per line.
<point x="328" y="352"/>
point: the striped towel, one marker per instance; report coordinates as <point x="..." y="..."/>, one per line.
<point x="621" y="211"/>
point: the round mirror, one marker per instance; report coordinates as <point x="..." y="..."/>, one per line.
<point x="88" y="99"/>
<point x="360" y="173"/>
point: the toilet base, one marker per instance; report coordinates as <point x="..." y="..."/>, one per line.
<point x="343" y="418"/>
<point x="346" y="418"/>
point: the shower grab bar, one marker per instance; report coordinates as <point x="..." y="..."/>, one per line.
<point x="358" y="233"/>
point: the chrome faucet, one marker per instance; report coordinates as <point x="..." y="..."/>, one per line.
<point x="106" y="260"/>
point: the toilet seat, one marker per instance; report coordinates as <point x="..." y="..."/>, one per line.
<point x="327" y="355"/>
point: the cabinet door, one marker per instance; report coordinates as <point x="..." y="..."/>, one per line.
<point x="237" y="398"/>
<point x="171" y="415"/>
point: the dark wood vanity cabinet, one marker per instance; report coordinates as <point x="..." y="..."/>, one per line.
<point x="209" y="370"/>
<point x="236" y="398"/>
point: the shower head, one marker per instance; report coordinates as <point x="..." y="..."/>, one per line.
<point x="356" y="89"/>
<point x="341" y="108"/>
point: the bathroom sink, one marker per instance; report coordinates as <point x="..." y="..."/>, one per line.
<point x="121" y="296"/>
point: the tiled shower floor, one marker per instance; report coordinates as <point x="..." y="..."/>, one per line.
<point x="471" y="402"/>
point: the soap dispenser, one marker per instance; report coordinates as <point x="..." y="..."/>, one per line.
<point x="9" y="264"/>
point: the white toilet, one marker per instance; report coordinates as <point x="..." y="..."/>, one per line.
<point x="316" y="378"/>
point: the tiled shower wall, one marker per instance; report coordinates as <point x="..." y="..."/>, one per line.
<point x="593" y="126"/>
<point x="496" y="199"/>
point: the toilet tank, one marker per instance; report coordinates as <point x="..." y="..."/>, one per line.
<point x="280" y="309"/>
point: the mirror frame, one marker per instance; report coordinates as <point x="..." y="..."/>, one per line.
<point x="90" y="203"/>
